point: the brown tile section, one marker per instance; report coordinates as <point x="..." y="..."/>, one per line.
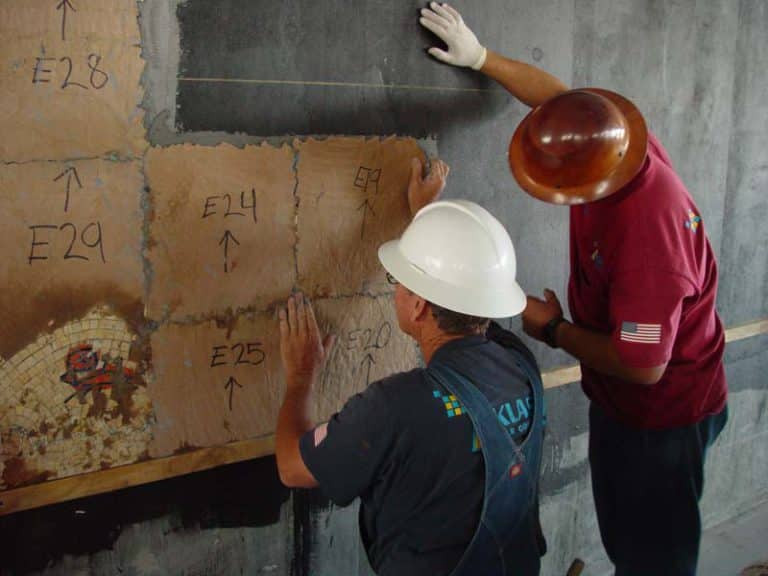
<point x="64" y="252"/>
<point x="70" y="91"/>
<point x="352" y="198"/>
<point x="369" y="346"/>
<point x="200" y="369"/>
<point x="222" y="231"/>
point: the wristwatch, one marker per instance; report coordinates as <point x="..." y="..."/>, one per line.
<point x="550" y="329"/>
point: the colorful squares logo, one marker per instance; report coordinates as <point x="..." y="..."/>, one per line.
<point x="450" y="402"/>
<point x="693" y="221"/>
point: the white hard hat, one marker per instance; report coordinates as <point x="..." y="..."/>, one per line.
<point x="458" y="256"/>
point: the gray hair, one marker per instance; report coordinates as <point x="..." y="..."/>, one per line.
<point x="458" y="323"/>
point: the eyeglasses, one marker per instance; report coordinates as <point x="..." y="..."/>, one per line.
<point x="391" y="279"/>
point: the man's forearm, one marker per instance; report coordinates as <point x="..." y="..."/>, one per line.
<point x="598" y="352"/>
<point x="529" y="84"/>
<point x="293" y="421"/>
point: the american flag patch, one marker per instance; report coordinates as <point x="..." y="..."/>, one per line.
<point x="642" y="333"/>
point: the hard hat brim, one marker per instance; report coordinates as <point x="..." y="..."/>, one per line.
<point x="488" y="302"/>
<point x="623" y="173"/>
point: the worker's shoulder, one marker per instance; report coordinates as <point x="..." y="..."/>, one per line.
<point x="400" y="396"/>
<point x="656" y="205"/>
<point x="399" y="382"/>
<point x="659" y="186"/>
<point x="383" y="397"/>
<point x="510" y="342"/>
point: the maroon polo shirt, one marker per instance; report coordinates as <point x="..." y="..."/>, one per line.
<point x="643" y="271"/>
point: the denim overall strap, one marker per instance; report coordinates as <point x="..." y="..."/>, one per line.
<point x="511" y="472"/>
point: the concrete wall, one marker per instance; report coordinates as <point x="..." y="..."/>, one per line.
<point x="696" y="69"/>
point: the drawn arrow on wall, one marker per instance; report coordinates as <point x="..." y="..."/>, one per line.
<point x="226" y="239"/>
<point x="230" y="385"/>
<point x="365" y="207"/>
<point x="69" y="173"/>
<point x="64" y="5"/>
<point x="368" y="361"/>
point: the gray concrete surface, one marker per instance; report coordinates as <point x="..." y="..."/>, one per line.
<point x="731" y="546"/>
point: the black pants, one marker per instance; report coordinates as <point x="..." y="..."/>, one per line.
<point x="647" y="485"/>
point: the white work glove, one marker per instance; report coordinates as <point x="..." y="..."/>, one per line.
<point x="446" y="23"/>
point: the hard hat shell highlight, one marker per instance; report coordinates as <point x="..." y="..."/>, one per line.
<point x="458" y="256"/>
<point x="580" y="146"/>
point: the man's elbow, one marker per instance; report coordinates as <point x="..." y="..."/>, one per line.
<point x="645" y="376"/>
<point x="294" y="475"/>
<point x="291" y="479"/>
<point x="288" y="478"/>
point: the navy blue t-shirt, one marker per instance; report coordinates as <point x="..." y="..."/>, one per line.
<point x="408" y="450"/>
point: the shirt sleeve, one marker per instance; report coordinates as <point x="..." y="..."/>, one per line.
<point x="346" y="454"/>
<point x="645" y="308"/>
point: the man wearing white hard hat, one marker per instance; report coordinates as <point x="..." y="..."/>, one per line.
<point x="445" y="459"/>
<point x="642" y="294"/>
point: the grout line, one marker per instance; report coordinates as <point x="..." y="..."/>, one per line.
<point x="106" y="157"/>
<point x="380" y="86"/>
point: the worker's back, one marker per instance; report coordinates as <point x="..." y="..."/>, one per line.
<point x="420" y="471"/>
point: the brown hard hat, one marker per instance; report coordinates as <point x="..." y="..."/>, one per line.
<point x="580" y="146"/>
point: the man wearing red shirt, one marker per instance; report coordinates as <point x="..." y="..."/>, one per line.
<point x="642" y="293"/>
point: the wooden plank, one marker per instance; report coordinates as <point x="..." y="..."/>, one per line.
<point x="561" y="376"/>
<point x="746" y="330"/>
<point x="91" y="483"/>
<point x="112" y="479"/>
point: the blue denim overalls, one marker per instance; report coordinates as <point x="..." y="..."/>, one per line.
<point x="505" y="542"/>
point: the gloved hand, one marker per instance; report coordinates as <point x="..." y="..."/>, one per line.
<point x="446" y="23"/>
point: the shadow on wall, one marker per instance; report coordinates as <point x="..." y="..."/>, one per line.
<point x="242" y="494"/>
<point x="239" y="108"/>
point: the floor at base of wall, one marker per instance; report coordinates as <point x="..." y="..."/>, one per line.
<point x="728" y="548"/>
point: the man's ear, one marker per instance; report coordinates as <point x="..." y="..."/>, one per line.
<point x="420" y="310"/>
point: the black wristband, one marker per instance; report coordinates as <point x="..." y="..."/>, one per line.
<point x="550" y="329"/>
